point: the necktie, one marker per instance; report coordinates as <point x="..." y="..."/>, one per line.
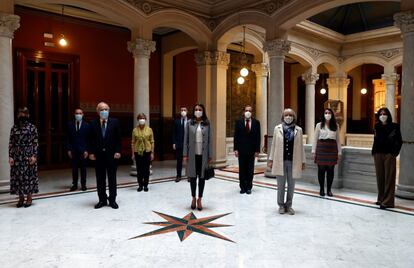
<point x="103" y="128"/>
<point x="247" y="125"/>
<point x="77" y="125"/>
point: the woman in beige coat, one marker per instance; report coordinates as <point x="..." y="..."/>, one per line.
<point x="287" y="158"/>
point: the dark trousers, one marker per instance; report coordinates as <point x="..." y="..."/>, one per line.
<point x="329" y="170"/>
<point x="179" y="155"/>
<point x="143" y="168"/>
<point x="106" y="165"/>
<point x="385" y="168"/>
<point x="246" y="171"/>
<point x="78" y="162"/>
<point x="201" y="181"/>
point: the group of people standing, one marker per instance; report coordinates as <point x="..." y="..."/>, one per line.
<point x="100" y="141"/>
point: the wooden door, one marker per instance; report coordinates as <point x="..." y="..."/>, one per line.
<point x="47" y="83"/>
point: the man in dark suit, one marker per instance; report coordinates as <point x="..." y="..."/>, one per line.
<point x="246" y="147"/>
<point x="178" y="140"/>
<point x="105" y="149"/>
<point x="78" y="131"/>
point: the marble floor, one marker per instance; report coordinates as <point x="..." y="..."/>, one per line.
<point x="62" y="229"/>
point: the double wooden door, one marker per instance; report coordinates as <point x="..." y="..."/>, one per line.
<point x="47" y="83"/>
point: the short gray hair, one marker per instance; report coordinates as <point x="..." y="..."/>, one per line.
<point x="290" y="110"/>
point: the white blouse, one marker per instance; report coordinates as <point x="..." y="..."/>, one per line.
<point x="199" y="140"/>
<point x="324" y="134"/>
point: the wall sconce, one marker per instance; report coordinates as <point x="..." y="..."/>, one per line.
<point x="364" y="91"/>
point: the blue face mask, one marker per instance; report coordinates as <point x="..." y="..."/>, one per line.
<point x="104" y="114"/>
<point x="78" y="117"/>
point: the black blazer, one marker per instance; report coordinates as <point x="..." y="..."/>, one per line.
<point x="77" y="141"/>
<point x="178" y="133"/>
<point x="387" y="139"/>
<point x="111" y="144"/>
<point x="247" y="142"/>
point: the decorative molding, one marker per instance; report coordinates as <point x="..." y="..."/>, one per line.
<point x="277" y="47"/>
<point x="261" y="69"/>
<point x="141" y="47"/>
<point x="405" y="21"/>
<point x="8" y="24"/>
<point x="390" y="53"/>
<point x="390" y="79"/>
<point x="212" y="58"/>
<point x="310" y="78"/>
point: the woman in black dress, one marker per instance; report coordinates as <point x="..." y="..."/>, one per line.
<point x="23" y="145"/>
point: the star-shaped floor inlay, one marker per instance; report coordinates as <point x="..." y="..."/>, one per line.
<point x="187" y="225"/>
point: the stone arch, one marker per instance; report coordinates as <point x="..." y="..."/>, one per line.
<point x="287" y="17"/>
<point x="330" y="62"/>
<point x="302" y="56"/>
<point x="184" y="22"/>
<point x="254" y="18"/>
<point x="397" y="61"/>
<point x="357" y="60"/>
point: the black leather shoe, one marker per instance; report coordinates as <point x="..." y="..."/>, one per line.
<point x="114" y="205"/>
<point x="330" y="193"/>
<point x="249" y="192"/>
<point x="139" y="189"/>
<point x="177" y="179"/>
<point x="20" y="204"/>
<point x="382" y="207"/>
<point x="73" y="188"/>
<point x="145" y="189"/>
<point x="378" y="203"/>
<point x="84" y="188"/>
<point x="322" y="193"/>
<point x="28" y="204"/>
<point x="100" y="204"/>
<point x="242" y="191"/>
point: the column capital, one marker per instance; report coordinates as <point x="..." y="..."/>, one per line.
<point x="405" y="21"/>
<point x="391" y="78"/>
<point x="261" y="69"/>
<point x="338" y="80"/>
<point x="8" y="24"/>
<point x="141" y="47"/>
<point x="212" y="58"/>
<point x="310" y="78"/>
<point x="277" y="47"/>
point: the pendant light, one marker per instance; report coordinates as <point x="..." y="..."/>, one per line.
<point x="62" y="40"/>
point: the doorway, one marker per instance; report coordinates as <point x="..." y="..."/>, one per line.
<point x="48" y="84"/>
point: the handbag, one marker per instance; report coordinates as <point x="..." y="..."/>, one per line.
<point x="209" y="173"/>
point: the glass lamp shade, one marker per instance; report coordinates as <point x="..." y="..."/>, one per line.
<point x="364" y="91"/>
<point x="62" y="41"/>
<point x="240" y="80"/>
<point x="244" y="72"/>
<point x="323" y="91"/>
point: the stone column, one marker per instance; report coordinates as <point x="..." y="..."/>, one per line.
<point x="310" y="80"/>
<point x="141" y="50"/>
<point x="8" y="24"/>
<point x="262" y="72"/>
<point x="405" y="185"/>
<point x="203" y="60"/>
<point x="391" y="83"/>
<point x="276" y="50"/>
<point x="219" y="64"/>
<point x="338" y="88"/>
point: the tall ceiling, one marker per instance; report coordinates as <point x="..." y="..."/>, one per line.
<point x="358" y="17"/>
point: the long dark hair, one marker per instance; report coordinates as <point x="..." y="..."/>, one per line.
<point x="332" y="123"/>
<point x="387" y="112"/>
<point x="204" y="119"/>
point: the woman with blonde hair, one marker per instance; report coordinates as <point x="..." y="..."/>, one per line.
<point x="287" y="158"/>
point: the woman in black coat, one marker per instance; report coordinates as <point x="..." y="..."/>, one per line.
<point x="386" y="147"/>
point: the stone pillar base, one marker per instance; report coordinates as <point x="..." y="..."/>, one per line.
<point x="4" y="186"/>
<point x="219" y="163"/>
<point x="262" y="158"/>
<point x="406" y="192"/>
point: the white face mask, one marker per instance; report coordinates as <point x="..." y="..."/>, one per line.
<point x="183" y="113"/>
<point x="383" y="118"/>
<point x="328" y="117"/>
<point x="248" y="114"/>
<point x="141" y="121"/>
<point x="198" y="114"/>
<point x="288" y="119"/>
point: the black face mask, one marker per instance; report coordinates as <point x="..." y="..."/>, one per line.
<point x="23" y="119"/>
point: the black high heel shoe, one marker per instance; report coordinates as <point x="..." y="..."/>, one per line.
<point x="193" y="204"/>
<point x="199" y="205"/>
<point x="20" y="203"/>
<point x="322" y="193"/>
<point x="28" y="203"/>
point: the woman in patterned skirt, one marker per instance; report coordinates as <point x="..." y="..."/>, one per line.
<point x="326" y="150"/>
<point x="23" y="147"/>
